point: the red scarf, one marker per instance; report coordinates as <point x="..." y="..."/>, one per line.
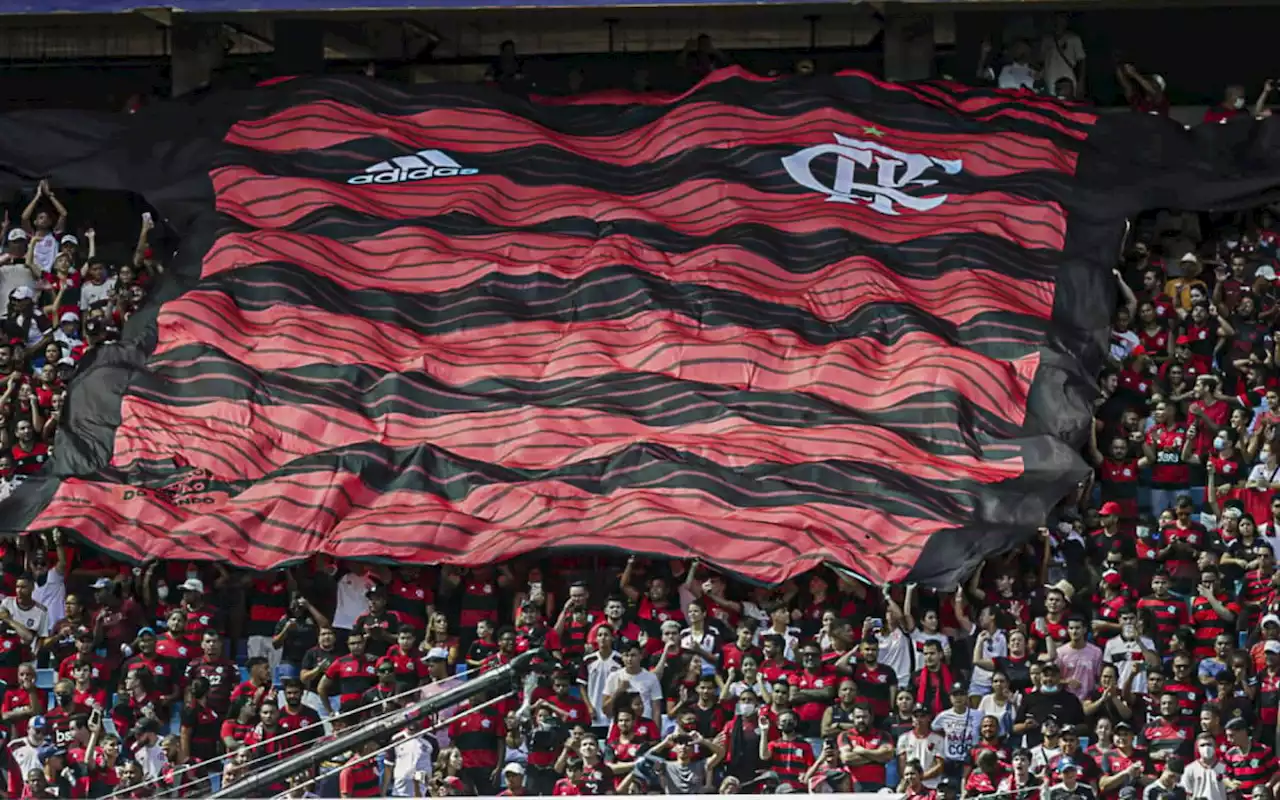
<point x="941" y="680"/>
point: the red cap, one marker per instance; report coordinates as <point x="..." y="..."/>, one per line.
<point x="1183" y="340"/>
<point x="1112" y="578"/>
<point x="1110" y="509"/>
<point x="1138" y="351"/>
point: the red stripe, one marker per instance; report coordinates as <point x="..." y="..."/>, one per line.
<point x="859" y="373"/>
<point x="420" y="261"/>
<point x="697" y="207"/>
<point x="325" y="123"/>
<point x="530" y="437"/>
<point x="338" y="514"/>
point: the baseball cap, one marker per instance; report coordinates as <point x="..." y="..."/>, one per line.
<point x="39" y="722"/>
<point x="69" y="316"/>
<point x="437" y="654"/>
<point x="1109" y="509"/>
<point x="48" y="751"/>
<point x="69" y="239"/>
<point x="102" y="583"/>
<point x="921" y="711"/>
<point x="1123" y="725"/>
<point x="1188" y="258"/>
<point x="1270" y="619"/>
<point x="513" y="769"/>
<point x="1272" y="646"/>
<point x="1112" y="578"/>
<point x="17" y="235"/>
<point x="376" y="589"/>
<point x="958" y="688"/>
<point x="1237" y="724"/>
<point x="1065" y="764"/>
<point x="192" y="585"/>
<point x="23" y="293"/>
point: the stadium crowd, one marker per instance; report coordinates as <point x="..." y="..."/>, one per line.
<point x="1130" y="649"/>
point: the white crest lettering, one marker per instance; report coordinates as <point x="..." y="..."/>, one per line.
<point x="893" y="172"/>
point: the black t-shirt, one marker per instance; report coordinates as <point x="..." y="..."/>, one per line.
<point x="1060" y="792"/>
<point x="314" y="658"/>
<point x="301" y="638"/>
<point x="385" y="621"/>
<point x="1039" y="705"/>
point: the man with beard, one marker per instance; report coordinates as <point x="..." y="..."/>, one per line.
<point x="865" y="751"/>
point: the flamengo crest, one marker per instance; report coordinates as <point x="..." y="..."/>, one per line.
<point x="885" y="173"/>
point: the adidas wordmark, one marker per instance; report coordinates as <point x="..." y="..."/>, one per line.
<point x="421" y="166"/>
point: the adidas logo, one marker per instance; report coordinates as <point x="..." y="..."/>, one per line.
<point x="418" y="167"/>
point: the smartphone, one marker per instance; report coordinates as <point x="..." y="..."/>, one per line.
<point x="146" y="215"/>
<point x="95" y="718"/>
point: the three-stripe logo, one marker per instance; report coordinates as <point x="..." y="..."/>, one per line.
<point x="420" y="166"/>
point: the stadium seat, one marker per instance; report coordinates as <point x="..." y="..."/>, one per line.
<point x="45" y="678"/>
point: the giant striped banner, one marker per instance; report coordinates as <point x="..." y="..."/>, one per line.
<point x="768" y="324"/>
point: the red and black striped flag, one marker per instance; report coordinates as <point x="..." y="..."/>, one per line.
<point x="768" y="324"/>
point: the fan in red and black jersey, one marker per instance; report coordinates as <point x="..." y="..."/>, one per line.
<point x="349" y="676"/>
<point x="410" y="599"/>
<point x="166" y="684"/>
<point x="655" y="605"/>
<point x="1123" y="765"/>
<point x="201" y="725"/>
<point x="1163" y="450"/>
<point x="404" y="655"/>
<point x="1110" y="536"/>
<point x="269" y="596"/>
<point x="268" y="743"/>
<point x="1118" y="474"/>
<point x="1168" y="734"/>
<point x="222" y="675"/>
<point x="296" y="717"/>
<point x="29" y="453"/>
<point x="1249" y="764"/>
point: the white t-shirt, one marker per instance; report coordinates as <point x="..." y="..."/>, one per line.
<point x="152" y="760"/>
<point x="1124" y="655"/>
<point x="52" y="594"/>
<point x="598" y="672"/>
<point x="1060" y="55"/>
<point x="895" y="653"/>
<point x="960" y="732"/>
<point x="91" y="292"/>
<point x="988" y="707"/>
<point x="410" y="755"/>
<point x="46" y="250"/>
<point x="644" y="683"/>
<point x="996" y="646"/>
<point x="352" y="601"/>
<point x="35" y="618"/>
<point x="13" y="276"/>
<point x="1017" y="76"/>
<point x="1204" y="783"/>
<point x="924" y="750"/>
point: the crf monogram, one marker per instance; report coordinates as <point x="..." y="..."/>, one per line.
<point x="889" y="172"/>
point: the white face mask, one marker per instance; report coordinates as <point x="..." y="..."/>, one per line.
<point x="162" y="591"/>
<point x="1220" y="443"/>
<point x="1206" y="751"/>
<point x="1238" y="102"/>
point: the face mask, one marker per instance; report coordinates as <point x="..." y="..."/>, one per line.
<point x="1206" y="751"/>
<point x="162" y="592"/>
<point x="1220" y="443"/>
<point x="1264" y="453"/>
<point x="1238" y="102"/>
<point x="192" y="575"/>
<point x="1048" y="689"/>
<point x="746" y="709"/>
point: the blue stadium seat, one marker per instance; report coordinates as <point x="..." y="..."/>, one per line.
<point x="45" y="678"/>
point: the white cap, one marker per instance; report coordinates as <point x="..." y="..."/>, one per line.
<point x="1272" y="646"/>
<point x="69" y="239"/>
<point x="67" y="361"/>
<point x="69" y="316"/>
<point x="17" y="235"/>
<point x="514" y="768"/>
<point x="437" y="654"/>
<point x="192" y="585"/>
<point x="23" y="293"/>
<point x="1265" y="271"/>
<point x="1189" y="258"/>
<point x="1159" y="81"/>
<point x="1271" y="619"/>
